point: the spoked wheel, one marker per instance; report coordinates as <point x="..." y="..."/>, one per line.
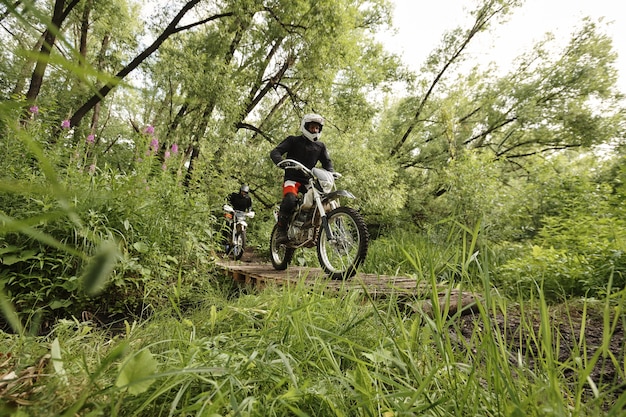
<point x="281" y="255"/>
<point x="341" y="254"/>
<point x="239" y="245"/>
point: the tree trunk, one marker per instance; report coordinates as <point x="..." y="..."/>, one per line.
<point x="228" y="57"/>
<point x="100" y="66"/>
<point x="195" y="152"/>
<point x="49" y="38"/>
<point x="84" y="32"/>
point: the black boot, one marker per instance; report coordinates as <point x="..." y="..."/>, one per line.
<point x="281" y="230"/>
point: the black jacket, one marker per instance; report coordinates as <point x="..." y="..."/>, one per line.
<point x="304" y="151"/>
<point x="240" y="202"/>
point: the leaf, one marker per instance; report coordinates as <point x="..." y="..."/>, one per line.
<point x="140" y="247"/>
<point x="8" y="313"/>
<point x="57" y="361"/>
<point x="100" y="267"/>
<point x="56" y="304"/>
<point x="9" y="249"/>
<point x="20" y="257"/>
<point x="136" y="372"/>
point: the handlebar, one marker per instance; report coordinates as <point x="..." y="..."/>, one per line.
<point x="229" y="209"/>
<point x="293" y="164"/>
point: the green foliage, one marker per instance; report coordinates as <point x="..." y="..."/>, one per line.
<point x="135" y="374"/>
<point x="78" y="239"/>
<point x="575" y="257"/>
<point x="580" y="245"/>
<point x="445" y="253"/>
<point x="296" y="350"/>
<point x="470" y="190"/>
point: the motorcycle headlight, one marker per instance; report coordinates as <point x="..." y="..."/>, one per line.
<point x="325" y="179"/>
<point x="327" y="186"/>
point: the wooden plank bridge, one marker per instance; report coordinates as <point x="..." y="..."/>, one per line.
<point x="260" y="275"/>
<point x="257" y="274"/>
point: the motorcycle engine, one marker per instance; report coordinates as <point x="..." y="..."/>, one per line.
<point x="300" y="227"/>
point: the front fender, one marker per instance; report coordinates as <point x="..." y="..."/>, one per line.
<point x="336" y="194"/>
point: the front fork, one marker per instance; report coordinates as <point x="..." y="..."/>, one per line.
<point x="322" y="211"/>
<point x="237" y="228"/>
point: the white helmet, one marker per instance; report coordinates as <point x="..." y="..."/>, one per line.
<point x="311" y="118"/>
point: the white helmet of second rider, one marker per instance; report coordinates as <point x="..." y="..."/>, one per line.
<point x="311" y="118"/>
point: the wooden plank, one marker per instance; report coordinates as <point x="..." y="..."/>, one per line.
<point x="261" y="275"/>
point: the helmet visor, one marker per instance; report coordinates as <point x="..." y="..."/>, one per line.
<point x="313" y="127"/>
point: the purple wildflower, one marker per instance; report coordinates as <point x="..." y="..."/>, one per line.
<point x="149" y="129"/>
<point x="91" y="138"/>
<point x="34" y="109"/>
<point x="164" y="167"/>
<point x="154" y="144"/>
<point x="167" y="154"/>
<point x="174" y="149"/>
<point x="65" y="124"/>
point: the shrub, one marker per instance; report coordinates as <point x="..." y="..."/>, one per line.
<point x="571" y="257"/>
<point x="69" y="229"/>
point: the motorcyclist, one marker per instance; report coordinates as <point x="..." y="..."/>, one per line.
<point x="241" y="200"/>
<point x="306" y="149"/>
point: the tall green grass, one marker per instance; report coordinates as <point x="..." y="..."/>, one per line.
<point x="300" y="351"/>
<point x="447" y="252"/>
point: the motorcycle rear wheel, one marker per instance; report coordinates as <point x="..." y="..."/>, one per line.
<point x="281" y="255"/>
<point x="341" y="256"/>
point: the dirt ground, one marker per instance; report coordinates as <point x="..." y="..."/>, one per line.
<point x="567" y="325"/>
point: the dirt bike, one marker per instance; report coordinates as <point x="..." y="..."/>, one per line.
<point x="339" y="233"/>
<point x="237" y="225"/>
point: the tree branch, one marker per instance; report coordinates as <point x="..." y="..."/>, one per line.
<point x="256" y="130"/>
<point x="169" y="30"/>
<point x="536" y="152"/>
<point x="489" y="130"/>
<point x="482" y="19"/>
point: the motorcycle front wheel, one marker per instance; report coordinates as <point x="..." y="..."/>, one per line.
<point x="281" y="255"/>
<point x="239" y="245"/>
<point x="342" y="253"/>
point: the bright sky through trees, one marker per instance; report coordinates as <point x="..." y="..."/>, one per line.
<point x="421" y="24"/>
